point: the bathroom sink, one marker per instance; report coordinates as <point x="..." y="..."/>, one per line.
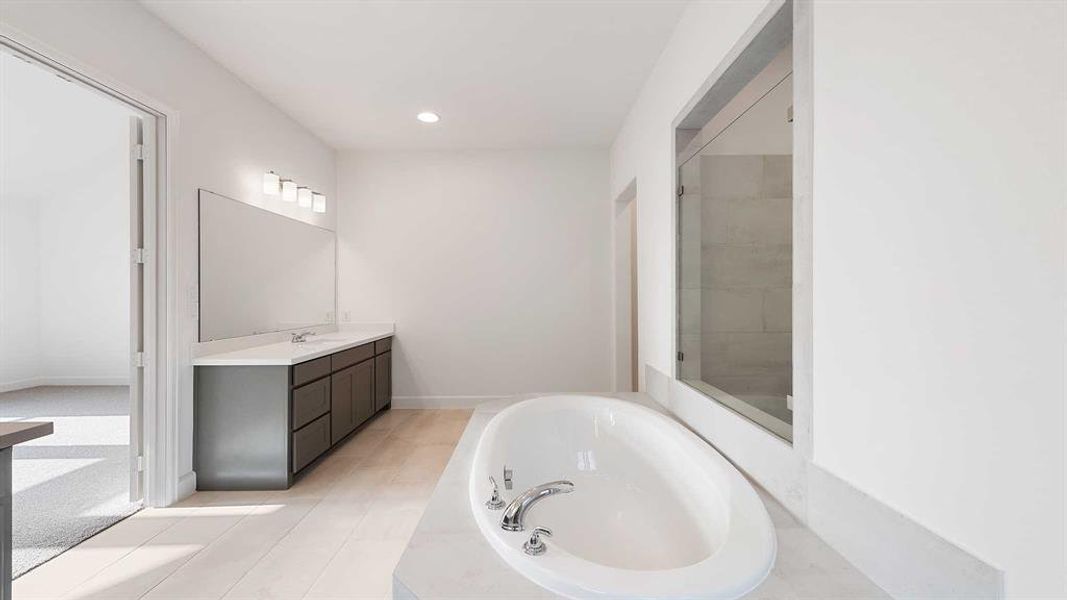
<point x="316" y="341"/>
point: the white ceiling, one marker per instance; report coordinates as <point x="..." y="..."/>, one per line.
<point x="504" y="74"/>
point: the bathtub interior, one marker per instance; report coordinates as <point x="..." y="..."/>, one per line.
<point x="641" y="502"/>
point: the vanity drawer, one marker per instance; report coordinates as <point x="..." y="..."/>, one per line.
<point x="310" y="442"/>
<point x="347" y="358"/>
<point x="310" y="402"/>
<point x="383" y="345"/>
<point x="310" y="370"/>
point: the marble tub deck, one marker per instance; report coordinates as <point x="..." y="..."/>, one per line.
<point x="447" y="556"/>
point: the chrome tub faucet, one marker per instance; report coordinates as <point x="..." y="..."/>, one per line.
<point x="514" y="518"/>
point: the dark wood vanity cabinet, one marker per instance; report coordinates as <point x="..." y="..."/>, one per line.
<point x="352" y="398"/>
<point x="311" y="402"/>
<point x="383" y="380"/>
<point x="257" y="427"/>
<point x="342" y="386"/>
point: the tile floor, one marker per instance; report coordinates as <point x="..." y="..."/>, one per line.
<point x="337" y="533"/>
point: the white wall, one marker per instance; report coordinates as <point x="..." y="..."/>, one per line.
<point x="939" y="259"/>
<point x="939" y="270"/>
<point x="19" y="256"/>
<point x="495" y="266"/>
<point x="224" y="135"/>
<point x="64" y="205"/>
<point x="644" y="149"/>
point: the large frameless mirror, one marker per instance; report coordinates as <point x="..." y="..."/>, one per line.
<point x="735" y="239"/>
<point x="261" y="272"/>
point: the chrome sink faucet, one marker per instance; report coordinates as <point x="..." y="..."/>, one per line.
<point x="514" y="518"/>
<point x="301" y="337"/>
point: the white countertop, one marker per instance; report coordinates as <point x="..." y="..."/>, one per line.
<point x="288" y="353"/>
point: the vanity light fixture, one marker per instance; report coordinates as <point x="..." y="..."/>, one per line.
<point x="428" y="117"/>
<point x="271" y="183"/>
<point x="303" y="197"/>
<point x="288" y="190"/>
<point x="318" y="202"/>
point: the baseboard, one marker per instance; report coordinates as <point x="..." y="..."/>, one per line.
<point x="904" y="558"/>
<point x="441" y="401"/>
<point x="186" y="485"/>
<point x="33" y="382"/>
<point x="22" y="384"/>
<point x="898" y="554"/>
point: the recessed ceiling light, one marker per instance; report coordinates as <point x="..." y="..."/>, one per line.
<point x="428" y="117"/>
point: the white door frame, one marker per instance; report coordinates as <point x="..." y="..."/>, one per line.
<point x="140" y="135"/>
<point x="159" y="418"/>
<point x="625" y="371"/>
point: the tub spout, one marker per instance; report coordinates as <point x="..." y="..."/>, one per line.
<point x="515" y="514"/>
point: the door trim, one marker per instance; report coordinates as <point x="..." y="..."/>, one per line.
<point x="159" y="422"/>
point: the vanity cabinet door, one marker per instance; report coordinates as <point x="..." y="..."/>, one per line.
<point x="363" y="392"/>
<point x="383" y="380"/>
<point x="342" y="419"/>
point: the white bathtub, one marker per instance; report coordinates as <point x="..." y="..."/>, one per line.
<point x="655" y="513"/>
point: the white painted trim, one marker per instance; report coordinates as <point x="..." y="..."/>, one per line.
<point x="186" y="485"/>
<point x="160" y="419"/>
<point x="801" y="402"/>
<point x="620" y="286"/>
<point x="442" y="401"/>
<point x="24" y="384"/>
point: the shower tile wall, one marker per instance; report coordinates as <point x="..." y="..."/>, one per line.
<point x="745" y="273"/>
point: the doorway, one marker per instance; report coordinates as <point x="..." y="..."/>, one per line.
<point x="624" y="232"/>
<point x="73" y="285"/>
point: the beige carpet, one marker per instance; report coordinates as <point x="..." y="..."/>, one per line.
<point x="74" y="483"/>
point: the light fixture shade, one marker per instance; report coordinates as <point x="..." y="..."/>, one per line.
<point x="288" y="190"/>
<point x="318" y="202"/>
<point x="428" y="117"/>
<point x="303" y="197"/>
<point x="271" y="183"/>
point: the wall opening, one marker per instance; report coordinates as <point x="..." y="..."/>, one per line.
<point x="735" y="235"/>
